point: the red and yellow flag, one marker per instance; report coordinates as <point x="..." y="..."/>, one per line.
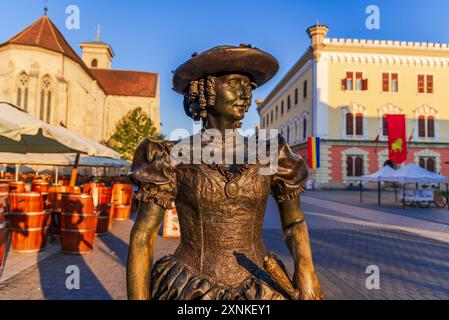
<point x="397" y="139"/>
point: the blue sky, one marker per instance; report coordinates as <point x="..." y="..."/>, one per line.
<point x="158" y="35"/>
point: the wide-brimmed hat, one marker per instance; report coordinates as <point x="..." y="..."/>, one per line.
<point x="258" y="65"/>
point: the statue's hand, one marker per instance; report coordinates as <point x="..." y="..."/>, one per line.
<point x="308" y="285"/>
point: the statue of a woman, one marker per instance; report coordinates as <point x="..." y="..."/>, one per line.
<point x="220" y="206"/>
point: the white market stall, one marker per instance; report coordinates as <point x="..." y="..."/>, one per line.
<point x="413" y="173"/>
<point x="408" y="174"/>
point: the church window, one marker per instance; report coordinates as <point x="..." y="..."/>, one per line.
<point x="22" y="92"/>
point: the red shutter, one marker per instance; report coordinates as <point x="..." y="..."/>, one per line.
<point x="384" y="125"/>
<point x="429" y="84"/>
<point x="365" y="84"/>
<point x="422" y="163"/>
<point x="350" y="166"/>
<point x="421" y="87"/>
<point x="359" y="124"/>
<point x="431" y="165"/>
<point x="431" y="127"/>
<point x="385" y="82"/>
<point x="422" y="126"/>
<point x="343" y="84"/>
<point x="395" y="77"/>
<point x="358" y="166"/>
<point x="349" y="124"/>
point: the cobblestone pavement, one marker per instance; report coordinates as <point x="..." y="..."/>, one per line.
<point x="412" y="255"/>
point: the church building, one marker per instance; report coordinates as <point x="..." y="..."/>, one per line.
<point x="42" y="74"/>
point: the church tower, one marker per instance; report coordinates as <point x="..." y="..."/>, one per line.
<point x="97" y="54"/>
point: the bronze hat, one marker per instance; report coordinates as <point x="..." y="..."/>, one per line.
<point x="260" y="66"/>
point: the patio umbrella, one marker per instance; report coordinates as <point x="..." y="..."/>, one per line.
<point x="21" y="133"/>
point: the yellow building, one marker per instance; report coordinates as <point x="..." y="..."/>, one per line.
<point x="42" y="74"/>
<point x="341" y="91"/>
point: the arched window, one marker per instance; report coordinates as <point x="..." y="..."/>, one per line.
<point x="431" y="127"/>
<point x="384" y="125"/>
<point x="288" y="133"/>
<point x="431" y="164"/>
<point x="94" y="63"/>
<point x="349" y="124"/>
<point x="22" y="91"/>
<point x="350" y="166"/>
<point x="304" y="128"/>
<point x="354" y="165"/>
<point x="359" y="124"/>
<point x="426" y="123"/>
<point x="42" y="106"/>
<point x="45" y="100"/>
<point x="422" y="126"/>
<point x="296" y="130"/>
<point x="48" y="106"/>
<point x="358" y="172"/>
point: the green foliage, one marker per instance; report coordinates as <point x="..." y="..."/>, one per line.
<point x="130" y="131"/>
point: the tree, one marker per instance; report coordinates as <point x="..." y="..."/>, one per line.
<point x="134" y="127"/>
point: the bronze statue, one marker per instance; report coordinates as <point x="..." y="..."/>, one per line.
<point x="221" y="207"/>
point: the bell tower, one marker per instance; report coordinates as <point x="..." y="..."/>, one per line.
<point x="97" y="54"/>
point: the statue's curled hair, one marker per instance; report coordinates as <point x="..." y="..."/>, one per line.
<point x="200" y="97"/>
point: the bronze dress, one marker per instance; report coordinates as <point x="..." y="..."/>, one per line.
<point x="221" y="212"/>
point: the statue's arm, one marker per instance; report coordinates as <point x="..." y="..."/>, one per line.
<point x="140" y="255"/>
<point x="297" y="240"/>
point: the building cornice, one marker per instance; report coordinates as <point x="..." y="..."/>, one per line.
<point x="404" y="45"/>
<point x="385" y="59"/>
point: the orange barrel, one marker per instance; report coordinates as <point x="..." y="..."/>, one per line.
<point x="4" y="187"/>
<point x="102" y="198"/>
<point x="25" y="202"/>
<point x="91" y="185"/>
<point x="3" y="240"/>
<point x="122" y="194"/>
<point x="77" y="203"/>
<point x="104" y="221"/>
<point x="78" y="224"/>
<point x="3" y="200"/>
<point x="17" y="186"/>
<point x="40" y="186"/>
<point x="28" y="222"/>
<point x="121" y="213"/>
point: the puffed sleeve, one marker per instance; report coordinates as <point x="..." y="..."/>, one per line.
<point x="292" y="173"/>
<point x="153" y="172"/>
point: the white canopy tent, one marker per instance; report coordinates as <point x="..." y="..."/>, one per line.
<point x="412" y="173"/>
<point x="21" y="133"/>
<point x="379" y="177"/>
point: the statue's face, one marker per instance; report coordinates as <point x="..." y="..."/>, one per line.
<point x="234" y="94"/>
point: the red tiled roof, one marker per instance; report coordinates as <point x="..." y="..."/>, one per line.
<point x="44" y="34"/>
<point x="127" y="83"/>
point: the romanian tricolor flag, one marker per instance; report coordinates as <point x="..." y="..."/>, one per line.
<point x="314" y="152"/>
